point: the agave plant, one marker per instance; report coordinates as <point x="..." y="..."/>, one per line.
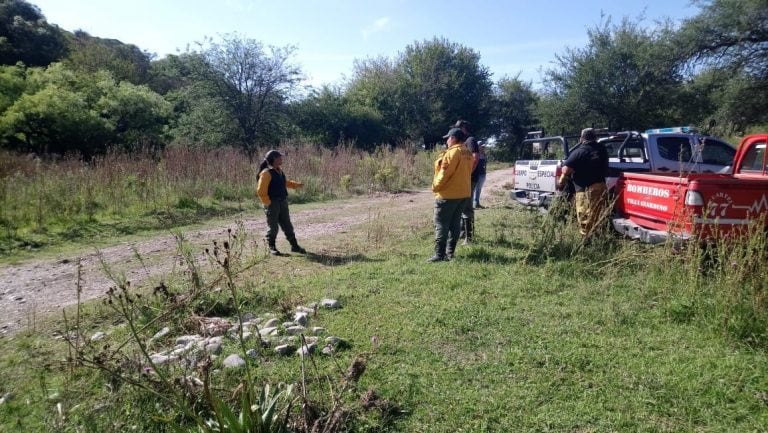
<point x="268" y="414"/>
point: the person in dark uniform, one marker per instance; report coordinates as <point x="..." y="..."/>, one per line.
<point x="468" y="215"/>
<point x="478" y="176"/>
<point x="588" y="167"/>
<point x="273" y="192"/>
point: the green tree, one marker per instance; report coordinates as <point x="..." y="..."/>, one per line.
<point x="135" y="115"/>
<point x="514" y="104"/>
<point x="375" y="88"/>
<point x="439" y="82"/>
<point x="12" y="85"/>
<point x="627" y="77"/>
<point x="25" y="35"/>
<point x="727" y="44"/>
<point x="328" y="117"/>
<point x="126" y="62"/>
<point x="200" y="118"/>
<point x="61" y="111"/>
<point x="252" y="84"/>
<point x="53" y="120"/>
<point x="424" y="90"/>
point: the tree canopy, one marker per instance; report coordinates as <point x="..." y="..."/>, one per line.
<point x="63" y="92"/>
<point x="25" y="35"/>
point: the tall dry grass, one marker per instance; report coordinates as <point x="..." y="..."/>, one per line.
<point x="46" y="201"/>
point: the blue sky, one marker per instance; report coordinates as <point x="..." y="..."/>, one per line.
<point x="513" y="37"/>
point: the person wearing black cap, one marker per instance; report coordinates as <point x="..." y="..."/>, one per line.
<point x="451" y="185"/>
<point x="588" y="165"/>
<point x="468" y="215"/>
<point x="273" y="192"/>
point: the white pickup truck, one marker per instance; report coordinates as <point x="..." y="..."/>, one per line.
<point x="665" y="150"/>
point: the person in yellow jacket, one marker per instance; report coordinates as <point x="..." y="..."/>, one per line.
<point x="272" y="190"/>
<point x="452" y="186"/>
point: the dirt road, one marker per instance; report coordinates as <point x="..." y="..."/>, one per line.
<point x="42" y="287"/>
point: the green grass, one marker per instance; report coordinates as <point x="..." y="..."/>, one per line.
<point x="608" y="340"/>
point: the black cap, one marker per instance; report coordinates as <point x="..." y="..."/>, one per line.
<point x="588" y="134"/>
<point x="272" y="155"/>
<point x="456" y="132"/>
<point x="462" y="124"/>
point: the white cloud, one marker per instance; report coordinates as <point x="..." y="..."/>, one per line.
<point x="377" y="26"/>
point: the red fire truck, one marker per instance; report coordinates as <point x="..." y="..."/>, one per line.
<point x="653" y="207"/>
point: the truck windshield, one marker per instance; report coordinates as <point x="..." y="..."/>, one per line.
<point x="715" y="152"/>
<point x="634" y="148"/>
<point x="542" y="149"/>
<point x="675" y="148"/>
<point x="754" y="159"/>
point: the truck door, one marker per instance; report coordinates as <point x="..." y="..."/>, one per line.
<point x="672" y="153"/>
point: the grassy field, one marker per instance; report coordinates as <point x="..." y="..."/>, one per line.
<point x="47" y="204"/>
<point x="526" y="330"/>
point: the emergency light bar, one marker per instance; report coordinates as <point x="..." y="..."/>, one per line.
<point x="675" y="129"/>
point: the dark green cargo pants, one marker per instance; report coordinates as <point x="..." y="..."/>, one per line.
<point x="278" y="215"/>
<point x="447" y="224"/>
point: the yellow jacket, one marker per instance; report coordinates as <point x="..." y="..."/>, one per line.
<point x="262" y="189"/>
<point x="453" y="171"/>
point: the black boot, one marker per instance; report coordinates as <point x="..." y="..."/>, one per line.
<point x="295" y="248"/>
<point x="469" y="230"/>
<point x="273" y="251"/>
<point x="451" y="249"/>
<point x="439" y="253"/>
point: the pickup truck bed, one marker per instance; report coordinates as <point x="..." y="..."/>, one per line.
<point x="653" y="207"/>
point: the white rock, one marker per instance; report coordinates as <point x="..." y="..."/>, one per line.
<point x="252" y="353"/>
<point x="318" y="330"/>
<point x="301" y="318"/>
<point x="98" y="336"/>
<point x="186" y="339"/>
<point x="303" y="309"/>
<point x="295" y="330"/>
<point x="214" y="340"/>
<point x="160" y="359"/>
<point x="161" y="333"/>
<point x="330" y="303"/>
<point x="271" y="323"/>
<point x="233" y="361"/>
<point x="334" y="341"/>
<point x="5" y="398"/>
<point x="285" y="349"/>
<point x="307" y="349"/>
<point x="214" y="348"/>
<point x="266" y="331"/>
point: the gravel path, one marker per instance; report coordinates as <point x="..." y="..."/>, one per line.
<point x="43" y="287"/>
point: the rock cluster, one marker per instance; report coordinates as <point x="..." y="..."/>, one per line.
<point x="286" y="338"/>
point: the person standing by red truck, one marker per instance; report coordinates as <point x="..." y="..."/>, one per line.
<point x="587" y="165"/>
